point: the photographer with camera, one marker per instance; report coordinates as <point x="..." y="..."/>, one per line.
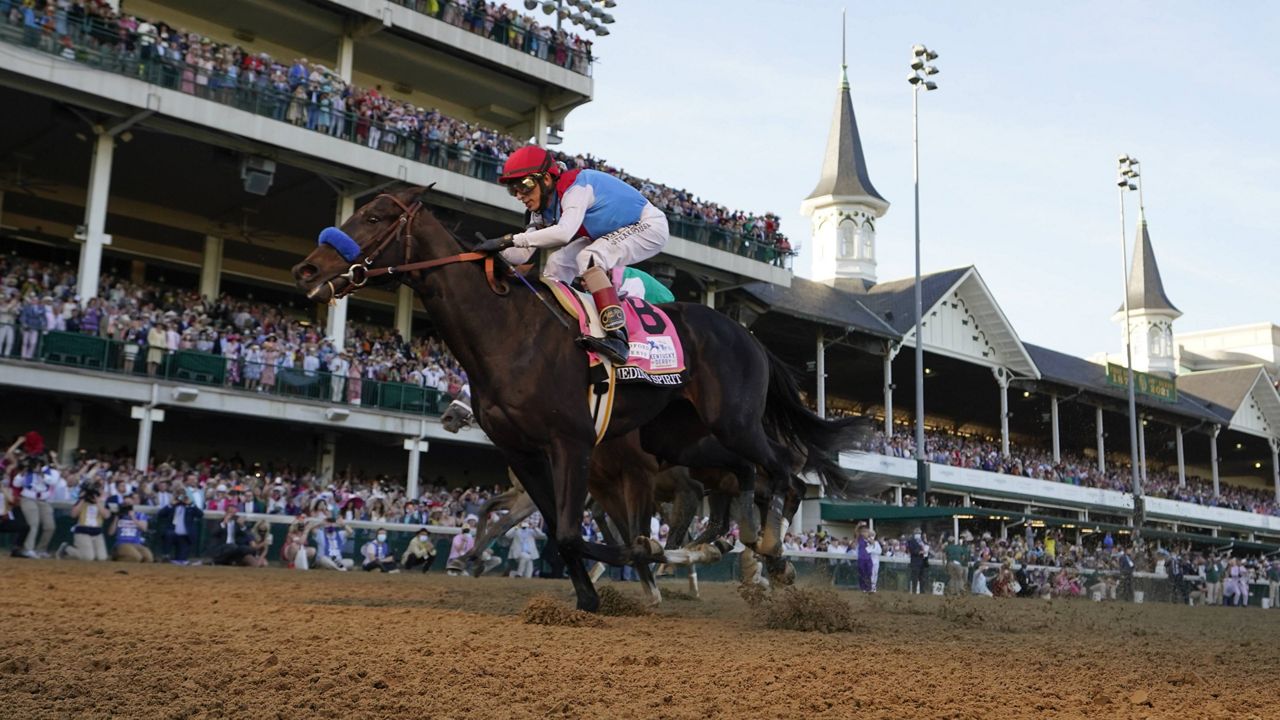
<point x="128" y="526"/>
<point x="33" y="482"/>
<point x="91" y="514"/>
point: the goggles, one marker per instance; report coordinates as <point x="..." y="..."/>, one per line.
<point x="525" y="185"/>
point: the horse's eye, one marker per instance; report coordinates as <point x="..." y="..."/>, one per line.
<point x="371" y="218"/>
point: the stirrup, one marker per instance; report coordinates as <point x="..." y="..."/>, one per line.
<point x="613" y="348"/>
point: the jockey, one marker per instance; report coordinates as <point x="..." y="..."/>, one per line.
<point x="599" y="223"/>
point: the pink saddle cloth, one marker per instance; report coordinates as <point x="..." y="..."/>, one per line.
<point x="656" y="355"/>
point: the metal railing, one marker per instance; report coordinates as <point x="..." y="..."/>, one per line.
<point x="316" y="113"/>
<point x="516" y="36"/>
<point x="90" y="352"/>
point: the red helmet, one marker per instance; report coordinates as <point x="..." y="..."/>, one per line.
<point x="528" y="160"/>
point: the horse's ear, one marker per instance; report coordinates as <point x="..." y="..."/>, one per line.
<point x="421" y="195"/>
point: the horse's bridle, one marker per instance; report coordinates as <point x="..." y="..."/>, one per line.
<point x="362" y="271"/>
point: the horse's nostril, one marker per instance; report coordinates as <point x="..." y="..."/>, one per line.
<point x="306" y="272"/>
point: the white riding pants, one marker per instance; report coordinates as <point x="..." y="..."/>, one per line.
<point x="624" y="246"/>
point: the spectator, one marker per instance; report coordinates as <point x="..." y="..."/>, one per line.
<point x="127" y="527"/>
<point x="420" y="552"/>
<point x="330" y="540"/>
<point x="91" y="515"/>
<point x="236" y="546"/>
<point x="1273" y="582"/>
<point x="378" y="556"/>
<point x="33" y="481"/>
<point x="524" y="549"/>
<point x="11" y="520"/>
<point x="295" y="542"/>
<point x="958" y="558"/>
<point x="918" y="549"/>
<point x="179" y="525"/>
<point x="33" y="321"/>
<point x="9" y="309"/>
<point x="462" y="544"/>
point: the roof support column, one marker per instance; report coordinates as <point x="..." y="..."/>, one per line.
<point x="1102" y="442"/>
<point x="346" y="55"/>
<point x="327" y="457"/>
<point x="1213" y="456"/>
<point x="211" y="269"/>
<point x="69" y="432"/>
<point x="890" y="352"/>
<point x="415" y="446"/>
<point x="336" y="322"/>
<point x="1182" y="462"/>
<point x="147" y="415"/>
<point x="95" y="216"/>
<point x="1002" y="379"/>
<point x="541" y="121"/>
<point x="404" y="312"/>
<point x="820" y="369"/>
<point x="1142" y="449"/>
<point x="709" y="296"/>
<point x="1053" y="421"/>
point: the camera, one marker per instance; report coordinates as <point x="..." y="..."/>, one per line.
<point x="126" y="509"/>
<point x="89" y="492"/>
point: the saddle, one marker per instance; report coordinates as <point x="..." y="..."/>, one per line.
<point x="656" y="356"/>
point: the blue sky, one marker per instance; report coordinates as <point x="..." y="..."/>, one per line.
<point x="732" y="100"/>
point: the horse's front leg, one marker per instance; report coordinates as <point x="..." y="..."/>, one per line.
<point x="570" y="459"/>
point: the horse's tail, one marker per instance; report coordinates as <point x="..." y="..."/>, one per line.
<point x="814" y="441"/>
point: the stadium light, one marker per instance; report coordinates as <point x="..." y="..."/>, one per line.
<point x="587" y="15"/>
<point x="530" y="4"/>
<point x="1126" y="181"/>
<point x="921" y="56"/>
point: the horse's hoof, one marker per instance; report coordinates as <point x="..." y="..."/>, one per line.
<point x="649" y="548"/>
<point x="784" y="574"/>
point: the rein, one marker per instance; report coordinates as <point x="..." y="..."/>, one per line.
<point x="361" y="271"/>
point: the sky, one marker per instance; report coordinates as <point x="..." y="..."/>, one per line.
<point x="732" y="100"/>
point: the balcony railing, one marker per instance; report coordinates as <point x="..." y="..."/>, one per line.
<point x="91" y="352"/>
<point x="516" y="36"/>
<point x="261" y="98"/>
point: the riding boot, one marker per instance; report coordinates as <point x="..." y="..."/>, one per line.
<point x="614" y="345"/>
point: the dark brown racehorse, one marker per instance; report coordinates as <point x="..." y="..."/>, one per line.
<point x="738" y="409"/>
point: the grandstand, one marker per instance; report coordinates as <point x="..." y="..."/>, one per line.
<point x="180" y="158"/>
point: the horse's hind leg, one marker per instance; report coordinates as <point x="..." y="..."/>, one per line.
<point x="518" y="505"/>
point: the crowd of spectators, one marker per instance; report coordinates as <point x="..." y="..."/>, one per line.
<point x="256" y="339"/>
<point x="502" y="24"/>
<point x="1047" y="564"/>
<point x="313" y="96"/>
<point x="984" y="454"/>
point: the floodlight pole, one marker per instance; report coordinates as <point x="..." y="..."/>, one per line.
<point x="1128" y="174"/>
<point x="918" y="78"/>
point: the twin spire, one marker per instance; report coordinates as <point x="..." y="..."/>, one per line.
<point x="844" y="168"/>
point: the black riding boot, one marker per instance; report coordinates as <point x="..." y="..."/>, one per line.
<point x="613" y="345"/>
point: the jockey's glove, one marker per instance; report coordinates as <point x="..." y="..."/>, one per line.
<point x="489" y="245"/>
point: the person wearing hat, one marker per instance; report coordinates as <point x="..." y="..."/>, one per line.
<point x="421" y="551"/>
<point x="32" y="485"/>
<point x="524" y="549"/>
<point x="598" y="221"/>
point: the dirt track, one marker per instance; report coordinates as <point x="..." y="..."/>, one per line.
<point x="163" y="641"/>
